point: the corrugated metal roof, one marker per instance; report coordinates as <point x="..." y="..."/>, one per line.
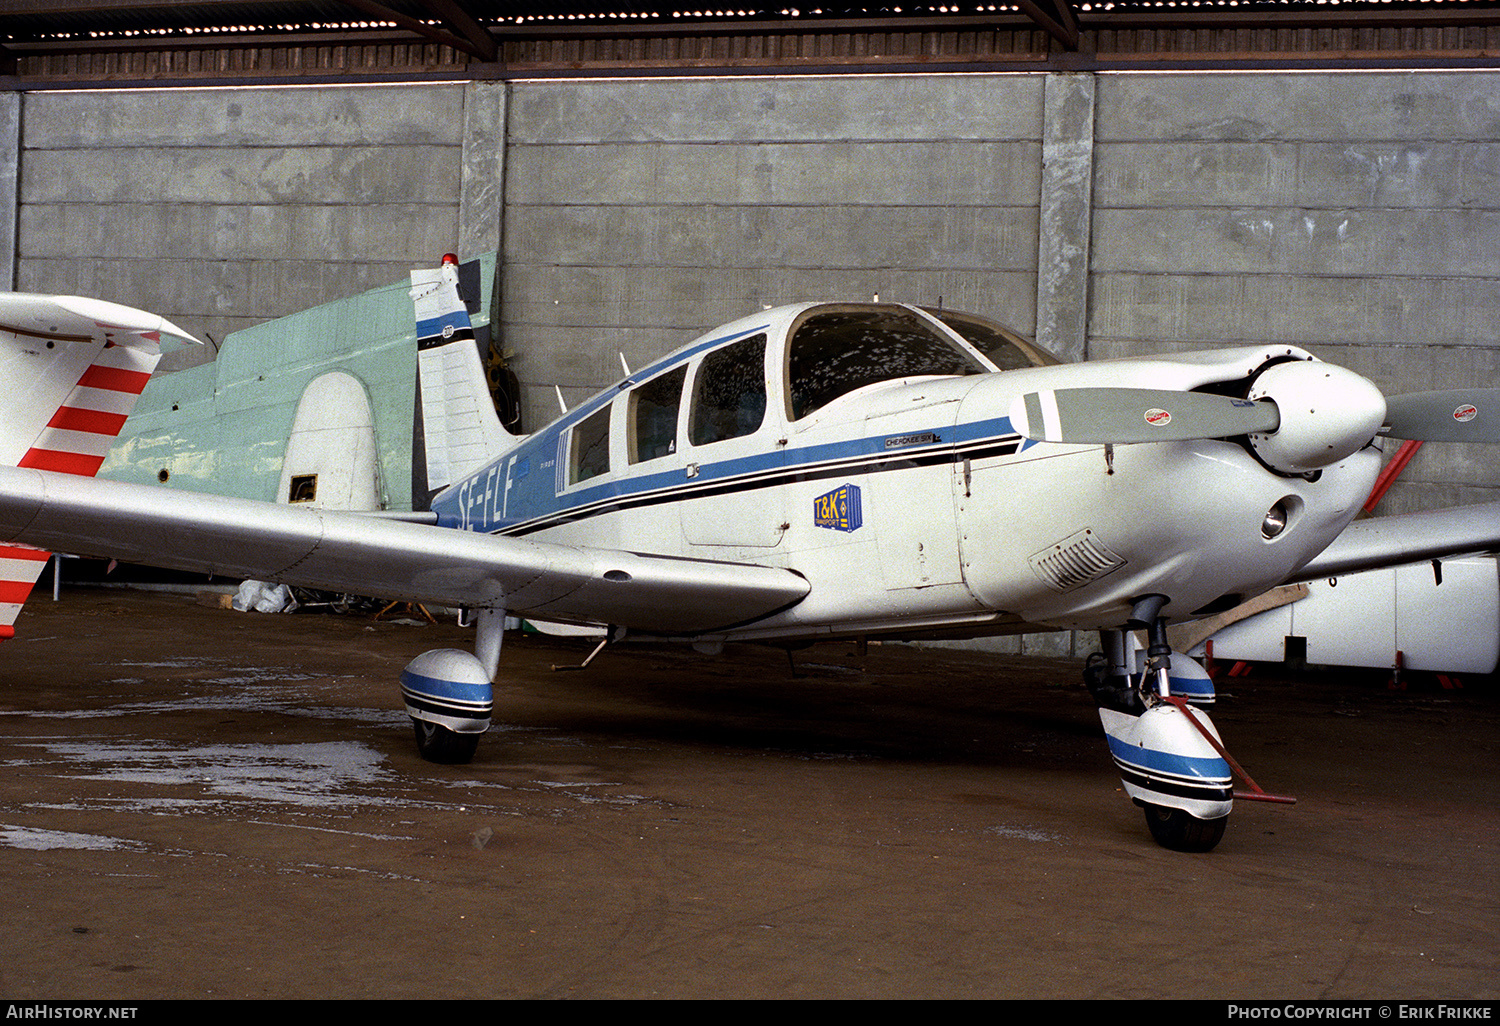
<point x="54" y="42"/>
<point x="41" y="20"/>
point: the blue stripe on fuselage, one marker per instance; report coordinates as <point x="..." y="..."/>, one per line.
<point x="534" y="498"/>
<point x="535" y="494"/>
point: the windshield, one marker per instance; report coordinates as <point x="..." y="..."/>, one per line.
<point x="1001" y="346"/>
<point x="834" y="351"/>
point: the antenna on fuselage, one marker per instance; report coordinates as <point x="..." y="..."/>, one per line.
<point x="558" y="390"/>
<point x="625" y="365"/>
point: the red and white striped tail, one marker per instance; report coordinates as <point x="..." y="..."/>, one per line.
<point x="20" y="566"/>
<point x="81" y="431"/>
<point x="71" y="370"/>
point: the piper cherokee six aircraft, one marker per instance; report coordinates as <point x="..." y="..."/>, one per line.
<point x="816" y="471"/>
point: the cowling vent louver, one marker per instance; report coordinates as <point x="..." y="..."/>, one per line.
<point x="1075" y="561"/>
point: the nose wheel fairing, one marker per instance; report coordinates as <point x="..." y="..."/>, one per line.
<point x="449" y="698"/>
<point x="1165" y="761"/>
<point x="1170" y="757"/>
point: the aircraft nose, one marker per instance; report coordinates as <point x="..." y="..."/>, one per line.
<point x="1327" y="414"/>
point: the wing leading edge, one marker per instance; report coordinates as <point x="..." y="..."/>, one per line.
<point x="393" y="559"/>
<point x="1407" y="538"/>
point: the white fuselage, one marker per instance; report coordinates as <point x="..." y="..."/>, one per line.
<point x="912" y="506"/>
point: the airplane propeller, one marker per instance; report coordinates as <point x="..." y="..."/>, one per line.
<point x="1125" y="415"/>
<point x="1299" y="416"/>
<point x="1454" y="415"/>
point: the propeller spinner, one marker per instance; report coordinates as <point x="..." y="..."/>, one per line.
<point x="1327" y="413"/>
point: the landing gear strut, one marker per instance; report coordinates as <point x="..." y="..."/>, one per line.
<point x="1169" y="767"/>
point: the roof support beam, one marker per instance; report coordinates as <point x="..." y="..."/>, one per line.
<point x="1063" y="28"/>
<point x="465" y="25"/>
<point x="474" y="41"/>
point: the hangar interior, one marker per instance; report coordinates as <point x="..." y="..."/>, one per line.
<point x="1114" y="179"/>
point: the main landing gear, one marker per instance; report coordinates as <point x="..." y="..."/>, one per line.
<point x="437" y="743"/>
<point x="448" y="694"/>
<point x="1166" y="752"/>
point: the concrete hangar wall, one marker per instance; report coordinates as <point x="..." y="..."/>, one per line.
<point x="1356" y="214"/>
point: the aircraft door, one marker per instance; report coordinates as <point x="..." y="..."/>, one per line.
<point x="331" y="460"/>
<point x="729" y="448"/>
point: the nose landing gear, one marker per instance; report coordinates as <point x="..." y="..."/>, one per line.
<point x="1181" y="831"/>
<point x="1169" y="757"/>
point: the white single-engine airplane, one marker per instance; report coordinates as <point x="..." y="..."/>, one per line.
<point x="815" y="471"/>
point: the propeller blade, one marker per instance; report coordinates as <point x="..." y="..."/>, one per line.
<point x="1123" y="415"/>
<point x="1455" y="415"/>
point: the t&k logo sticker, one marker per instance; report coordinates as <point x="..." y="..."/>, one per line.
<point x="839" y="510"/>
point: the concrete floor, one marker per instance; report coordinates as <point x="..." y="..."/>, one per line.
<point x="199" y="803"/>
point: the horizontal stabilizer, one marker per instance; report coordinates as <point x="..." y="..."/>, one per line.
<point x="82" y="319"/>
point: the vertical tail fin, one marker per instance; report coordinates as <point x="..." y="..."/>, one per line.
<point x="71" y="370"/>
<point x="460" y="432"/>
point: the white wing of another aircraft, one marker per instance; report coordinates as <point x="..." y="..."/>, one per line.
<point x="816" y="471"/>
<point x="71" y="370"/>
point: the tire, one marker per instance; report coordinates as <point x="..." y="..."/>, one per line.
<point x="437" y="743"/>
<point x="1179" y="831"/>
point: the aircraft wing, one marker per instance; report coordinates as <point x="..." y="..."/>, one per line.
<point x="1407" y="538"/>
<point x="343" y="551"/>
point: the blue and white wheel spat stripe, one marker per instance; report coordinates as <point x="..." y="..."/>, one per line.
<point x="449" y="687"/>
<point x="1164" y="760"/>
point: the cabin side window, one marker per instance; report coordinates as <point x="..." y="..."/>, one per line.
<point x="834" y="352"/>
<point x="588" y="453"/>
<point x="653" y="416"/>
<point x="729" y="397"/>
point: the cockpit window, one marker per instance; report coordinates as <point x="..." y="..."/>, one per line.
<point x="729" y="398"/>
<point x="833" y="352"/>
<point x="1001" y="346"/>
